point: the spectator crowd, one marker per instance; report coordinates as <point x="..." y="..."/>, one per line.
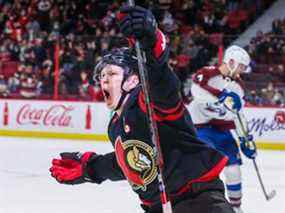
<point x="33" y="33"/>
<point x="267" y="51"/>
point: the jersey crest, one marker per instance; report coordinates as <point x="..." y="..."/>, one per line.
<point x="137" y="161"/>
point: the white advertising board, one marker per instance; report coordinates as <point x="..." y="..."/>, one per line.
<point x="54" y="116"/>
<point x="263" y="125"/>
<point x="80" y="120"/>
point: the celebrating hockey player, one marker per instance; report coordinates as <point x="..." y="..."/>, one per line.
<point x="217" y="97"/>
<point x="191" y="168"/>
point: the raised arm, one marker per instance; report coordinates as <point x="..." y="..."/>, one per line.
<point x="139" y="23"/>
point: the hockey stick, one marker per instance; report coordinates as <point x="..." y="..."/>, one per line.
<point x="166" y="205"/>
<point x="244" y="130"/>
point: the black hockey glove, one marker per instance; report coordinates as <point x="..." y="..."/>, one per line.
<point x="72" y="167"/>
<point x="139" y="23"/>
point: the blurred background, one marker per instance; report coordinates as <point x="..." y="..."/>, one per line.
<point x="48" y="48"/>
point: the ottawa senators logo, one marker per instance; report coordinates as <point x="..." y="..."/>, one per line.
<point x="137" y="162"/>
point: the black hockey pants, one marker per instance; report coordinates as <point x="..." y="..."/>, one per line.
<point x="207" y="199"/>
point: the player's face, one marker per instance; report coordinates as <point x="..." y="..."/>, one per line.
<point x="111" y="78"/>
<point x="240" y="69"/>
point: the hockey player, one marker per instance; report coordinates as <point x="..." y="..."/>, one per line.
<point x="191" y="168"/>
<point x="217" y="97"/>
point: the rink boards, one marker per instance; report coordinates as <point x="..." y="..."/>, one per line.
<point x="86" y="120"/>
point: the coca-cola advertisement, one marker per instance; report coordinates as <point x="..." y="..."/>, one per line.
<point x="54" y="116"/>
<point x="83" y="119"/>
<point x="58" y="115"/>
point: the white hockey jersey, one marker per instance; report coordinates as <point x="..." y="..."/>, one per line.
<point x="205" y="110"/>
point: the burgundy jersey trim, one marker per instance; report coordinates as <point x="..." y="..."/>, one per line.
<point x="223" y="124"/>
<point x="202" y="81"/>
<point x="235" y="198"/>
<point x="219" y="124"/>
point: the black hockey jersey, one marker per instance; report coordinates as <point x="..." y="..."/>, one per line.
<point x="186" y="159"/>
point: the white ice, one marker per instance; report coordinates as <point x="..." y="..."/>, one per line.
<point x="27" y="187"/>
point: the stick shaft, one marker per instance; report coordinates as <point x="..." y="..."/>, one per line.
<point x="245" y="133"/>
<point x="259" y="178"/>
<point x="166" y="205"/>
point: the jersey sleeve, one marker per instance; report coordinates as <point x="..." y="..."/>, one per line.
<point x="202" y="77"/>
<point x="105" y="167"/>
<point x="164" y="84"/>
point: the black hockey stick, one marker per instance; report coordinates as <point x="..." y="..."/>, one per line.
<point x="244" y="130"/>
<point x="166" y="205"/>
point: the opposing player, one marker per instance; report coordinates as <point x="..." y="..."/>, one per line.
<point x="217" y="97"/>
<point x="191" y="168"/>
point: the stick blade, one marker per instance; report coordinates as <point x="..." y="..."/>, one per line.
<point x="271" y="195"/>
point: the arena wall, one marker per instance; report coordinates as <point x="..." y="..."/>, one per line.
<point x="86" y="120"/>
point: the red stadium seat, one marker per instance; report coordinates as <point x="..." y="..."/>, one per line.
<point x="9" y="68"/>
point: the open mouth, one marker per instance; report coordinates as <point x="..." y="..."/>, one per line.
<point x="106" y="94"/>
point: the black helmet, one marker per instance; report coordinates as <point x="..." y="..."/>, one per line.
<point x="123" y="57"/>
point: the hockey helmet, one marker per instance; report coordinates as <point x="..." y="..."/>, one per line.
<point x="122" y="57"/>
<point x="239" y="56"/>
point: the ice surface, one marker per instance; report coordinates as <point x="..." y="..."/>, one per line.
<point x="26" y="186"/>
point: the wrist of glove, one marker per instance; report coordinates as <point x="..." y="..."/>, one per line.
<point x="71" y="168"/>
<point x="139" y="23"/>
<point x="231" y="100"/>
<point x="217" y="108"/>
<point x="248" y="146"/>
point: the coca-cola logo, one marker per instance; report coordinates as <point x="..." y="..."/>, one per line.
<point x="55" y="115"/>
<point x="263" y="125"/>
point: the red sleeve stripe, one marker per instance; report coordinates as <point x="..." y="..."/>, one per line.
<point x="146" y="202"/>
<point x="120" y="16"/>
<point x="160" y="44"/>
<point x="211" y="175"/>
<point x="131" y="41"/>
<point x="166" y="111"/>
<point x="168" y="117"/>
<point x="170" y="114"/>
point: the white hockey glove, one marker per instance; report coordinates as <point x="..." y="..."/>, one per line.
<point x="216" y="108"/>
